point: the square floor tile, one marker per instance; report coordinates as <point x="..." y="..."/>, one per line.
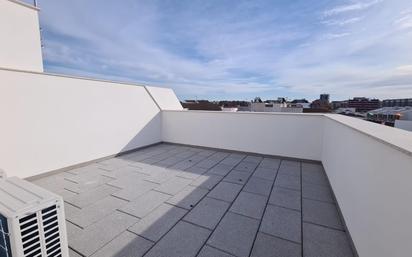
<point x="258" y="186"/>
<point x="145" y="204"/>
<point x="158" y="222"/>
<point x="265" y="173"/>
<point x="126" y="244"/>
<point x="248" y="204"/>
<point x="290" y="168"/>
<point x="220" y="169"/>
<point x="225" y="191"/>
<point x="188" y="197"/>
<point x="269" y="246"/>
<point x="96" y="211"/>
<point x="183" y="240"/>
<point x="324" y="242"/>
<point x="287" y="198"/>
<point x="286" y="181"/>
<point x="317" y="192"/>
<point x="246" y="166"/>
<point x="237" y="177"/>
<point x="314" y="173"/>
<point x="321" y="213"/>
<point x="173" y="186"/>
<point x="207" y="213"/>
<point x="92" y="238"/>
<point x="207" y="181"/>
<point x="270" y="163"/>
<point x="89" y="197"/>
<point x="208" y="251"/>
<point x="235" y="234"/>
<point x="282" y="222"/>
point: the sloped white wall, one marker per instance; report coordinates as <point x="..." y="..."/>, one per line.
<point x="20" y="46"/>
<point x="51" y="122"/>
<point x="165" y="98"/>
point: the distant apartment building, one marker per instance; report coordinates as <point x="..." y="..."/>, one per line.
<point x="320" y="105"/>
<point x="324" y="98"/>
<point x="258" y="105"/>
<point x="266" y="107"/>
<point x="363" y="104"/>
<point x="397" y="102"/>
<point x="300" y="103"/>
<point x="279" y="105"/>
<point x="274" y="107"/>
<point x="339" y="104"/>
<point x="233" y="103"/>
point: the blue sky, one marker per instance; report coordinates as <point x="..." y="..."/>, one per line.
<point x="236" y="49"/>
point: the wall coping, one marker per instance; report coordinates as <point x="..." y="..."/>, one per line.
<point x="247" y="113"/>
<point x="25" y="5"/>
<point x="75" y="77"/>
<point x="398" y="139"/>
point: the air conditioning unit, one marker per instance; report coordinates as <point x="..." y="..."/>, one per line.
<point x="32" y="221"/>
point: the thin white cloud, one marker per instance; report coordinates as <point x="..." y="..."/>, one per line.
<point x="404" y="69"/>
<point x="342" y="22"/>
<point x="336" y="35"/>
<point x="357" y="6"/>
<point x="405" y="22"/>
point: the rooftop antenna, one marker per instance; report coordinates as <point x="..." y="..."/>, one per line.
<point x="35" y="3"/>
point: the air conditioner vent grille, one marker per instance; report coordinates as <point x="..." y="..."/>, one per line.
<point x="30" y="235"/>
<point x="32" y="222"/>
<point x="51" y="231"/>
<point x="34" y="254"/>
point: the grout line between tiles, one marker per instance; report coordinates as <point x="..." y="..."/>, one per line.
<point x="264" y="210"/>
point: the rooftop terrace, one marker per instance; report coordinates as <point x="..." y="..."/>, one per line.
<point x="173" y="200"/>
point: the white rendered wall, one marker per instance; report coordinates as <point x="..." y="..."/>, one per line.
<point x="407" y="115"/>
<point x="404" y="124"/>
<point x="51" y="122"/>
<point x="372" y="183"/>
<point x="289" y="135"/>
<point x="165" y="98"/>
<point x="20" y="46"/>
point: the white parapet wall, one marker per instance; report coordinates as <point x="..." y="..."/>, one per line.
<point x="290" y="135"/>
<point x="370" y="169"/>
<point x="404" y="124"/>
<point x="20" y="46"/>
<point x="49" y="122"/>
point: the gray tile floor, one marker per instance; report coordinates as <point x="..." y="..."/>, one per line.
<point x="170" y="200"/>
